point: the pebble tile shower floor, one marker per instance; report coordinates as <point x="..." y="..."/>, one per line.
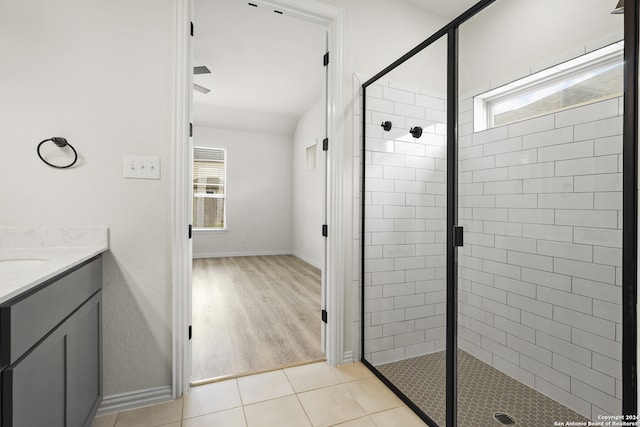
<point x="482" y="392"/>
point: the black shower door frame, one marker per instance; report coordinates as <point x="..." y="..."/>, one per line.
<point x="629" y="224"/>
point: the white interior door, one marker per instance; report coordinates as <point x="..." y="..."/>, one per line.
<point x="325" y="216"/>
<point x="189" y="210"/>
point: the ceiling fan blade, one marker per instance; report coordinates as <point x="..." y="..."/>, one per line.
<point x="201" y="89"/>
<point x="201" y="69"/>
<point x="619" y="10"/>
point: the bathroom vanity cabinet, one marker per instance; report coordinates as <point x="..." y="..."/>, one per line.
<point x="51" y="351"/>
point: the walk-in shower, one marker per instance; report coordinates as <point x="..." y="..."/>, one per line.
<point x="498" y="260"/>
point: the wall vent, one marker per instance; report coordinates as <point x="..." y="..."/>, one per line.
<point x="312" y="157"/>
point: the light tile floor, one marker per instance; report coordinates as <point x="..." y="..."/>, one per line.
<point x="314" y="395"/>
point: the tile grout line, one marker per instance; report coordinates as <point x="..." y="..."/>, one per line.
<point x="306" y="414"/>
<point x="333" y="376"/>
<point x="295" y="393"/>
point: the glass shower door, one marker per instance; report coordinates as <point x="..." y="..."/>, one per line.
<point x="540" y="201"/>
<point x="404" y="280"/>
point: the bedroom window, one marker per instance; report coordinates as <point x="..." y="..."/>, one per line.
<point x="592" y="77"/>
<point x="209" y="188"/>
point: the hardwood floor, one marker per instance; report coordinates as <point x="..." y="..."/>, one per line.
<point x="254" y="313"/>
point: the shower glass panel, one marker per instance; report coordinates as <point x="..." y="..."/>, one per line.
<point x="404" y="228"/>
<point x="540" y="201"/>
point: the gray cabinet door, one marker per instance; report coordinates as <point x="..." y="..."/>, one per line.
<point x="55" y="380"/>
<point x="33" y="388"/>
<point x="58" y="382"/>
<point x="84" y="373"/>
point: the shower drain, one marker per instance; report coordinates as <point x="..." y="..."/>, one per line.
<point x="504" y="419"/>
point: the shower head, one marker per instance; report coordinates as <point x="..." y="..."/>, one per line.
<point x="619" y="8"/>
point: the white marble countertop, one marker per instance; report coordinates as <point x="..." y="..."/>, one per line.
<point x="31" y="255"/>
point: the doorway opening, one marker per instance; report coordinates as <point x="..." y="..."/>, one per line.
<point x="254" y="314"/>
<point x="257" y="282"/>
<point x="332" y="19"/>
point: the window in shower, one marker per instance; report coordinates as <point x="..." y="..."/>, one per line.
<point x="592" y="77"/>
<point x="209" y="193"/>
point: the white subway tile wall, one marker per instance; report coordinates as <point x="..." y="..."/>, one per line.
<point x="405" y="222"/>
<point x="539" y="274"/>
<point x="541" y="299"/>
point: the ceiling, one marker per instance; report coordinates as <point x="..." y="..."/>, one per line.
<point x="261" y="62"/>
<point x="266" y="67"/>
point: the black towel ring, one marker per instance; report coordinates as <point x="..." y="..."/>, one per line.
<point x="60" y="142"/>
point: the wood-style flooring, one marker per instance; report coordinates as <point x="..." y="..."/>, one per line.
<point x="254" y="313"/>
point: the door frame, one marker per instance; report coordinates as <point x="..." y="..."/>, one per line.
<point x="332" y="18"/>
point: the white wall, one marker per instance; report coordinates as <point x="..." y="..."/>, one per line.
<point x="405" y="206"/>
<point x="376" y="33"/>
<point x="98" y="73"/>
<point x="309" y="187"/>
<point x="510" y="39"/>
<point x="259" y="191"/>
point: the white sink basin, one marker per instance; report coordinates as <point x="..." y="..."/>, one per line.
<point x="20" y="264"/>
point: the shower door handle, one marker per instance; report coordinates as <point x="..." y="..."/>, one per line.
<point x="457" y="236"/>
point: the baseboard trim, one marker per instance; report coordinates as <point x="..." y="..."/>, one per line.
<point x="135" y="399"/>
<point x="314" y="263"/>
<point x="232" y="254"/>
<point x="258" y="253"/>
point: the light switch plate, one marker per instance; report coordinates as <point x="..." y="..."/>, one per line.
<point x="141" y="167"/>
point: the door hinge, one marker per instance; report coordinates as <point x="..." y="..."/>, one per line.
<point x="189" y="332"/>
<point x="457" y="236"/>
<point x="325" y="144"/>
<point x="190" y="230"/>
<point x="325" y="59"/>
<point x="191" y="28"/>
<point x="325" y="230"/>
<point x="190" y="130"/>
<point x="324" y="315"/>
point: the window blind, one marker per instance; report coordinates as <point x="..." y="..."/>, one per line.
<point x="209" y="170"/>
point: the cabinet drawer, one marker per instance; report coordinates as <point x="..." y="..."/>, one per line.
<point x="25" y="320"/>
